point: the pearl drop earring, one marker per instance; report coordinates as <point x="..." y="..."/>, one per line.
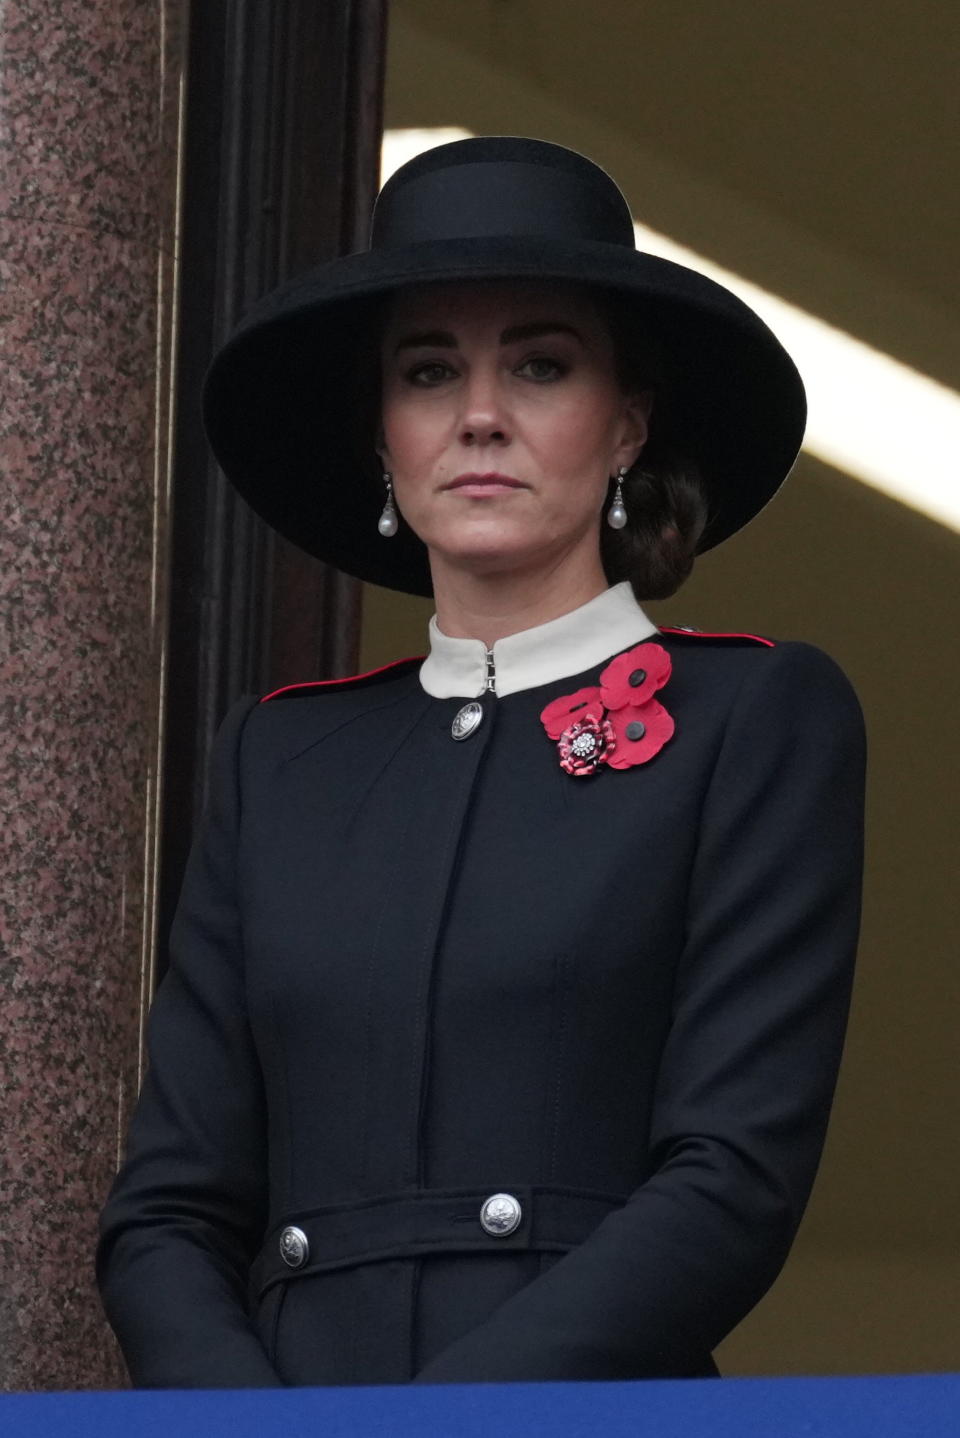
<point x="388" y="521"/>
<point x="617" y="513"/>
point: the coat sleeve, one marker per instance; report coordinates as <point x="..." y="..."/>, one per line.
<point x="749" y="1066"/>
<point x="186" y="1212"/>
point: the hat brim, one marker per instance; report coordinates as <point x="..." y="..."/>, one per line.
<point x="286" y="401"/>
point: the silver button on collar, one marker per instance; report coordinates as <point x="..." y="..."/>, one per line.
<point x="294" y="1248"/>
<point x="500" y="1215"/>
<point x="466" y="720"/>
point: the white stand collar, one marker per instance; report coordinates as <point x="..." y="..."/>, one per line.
<point x="578" y="640"/>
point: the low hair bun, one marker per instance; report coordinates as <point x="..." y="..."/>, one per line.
<point x="666" y="514"/>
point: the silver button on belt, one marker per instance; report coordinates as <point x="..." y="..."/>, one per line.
<point x="466" y="720"/>
<point x="294" y="1248"/>
<point x="500" y="1215"/>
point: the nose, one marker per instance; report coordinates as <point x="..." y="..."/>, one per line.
<point x="483" y="417"/>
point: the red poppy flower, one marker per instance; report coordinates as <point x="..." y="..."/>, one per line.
<point x="640" y="731"/>
<point x="560" y="713"/>
<point x="618" y="723"/>
<point x="635" y="676"/>
<point x="586" y="745"/>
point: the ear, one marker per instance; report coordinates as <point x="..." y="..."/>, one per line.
<point x="380" y="446"/>
<point x="634" y="428"/>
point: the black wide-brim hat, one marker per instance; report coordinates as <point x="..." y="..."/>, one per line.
<point x="290" y="400"/>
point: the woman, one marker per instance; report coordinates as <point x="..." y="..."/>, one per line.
<point x="508" y="987"/>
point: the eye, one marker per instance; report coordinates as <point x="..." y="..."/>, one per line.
<point x="431" y="372"/>
<point x="543" y="368"/>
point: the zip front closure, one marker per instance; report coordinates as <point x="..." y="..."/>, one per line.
<point x="490" y="685"/>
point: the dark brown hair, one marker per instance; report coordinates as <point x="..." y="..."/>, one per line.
<point x="664" y="498"/>
<point x="666" y="514"/>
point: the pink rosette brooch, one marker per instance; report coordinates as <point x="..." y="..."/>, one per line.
<point x="617" y="722"/>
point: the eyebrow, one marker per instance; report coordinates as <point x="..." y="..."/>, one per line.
<point x="443" y="339"/>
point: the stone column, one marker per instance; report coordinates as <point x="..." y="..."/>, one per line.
<point x="90" y="97"/>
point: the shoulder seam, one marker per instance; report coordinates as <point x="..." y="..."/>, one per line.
<point x="342" y="680"/>
<point x="717" y="634"/>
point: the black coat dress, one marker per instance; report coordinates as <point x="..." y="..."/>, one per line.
<point x="410" y="973"/>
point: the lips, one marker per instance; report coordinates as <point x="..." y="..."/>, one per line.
<point x="492" y="479"/>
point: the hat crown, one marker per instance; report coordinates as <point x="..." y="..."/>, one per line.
<point x="499" y="186"/>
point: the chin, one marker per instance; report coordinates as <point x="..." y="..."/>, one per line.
<point x="482" y="541"/>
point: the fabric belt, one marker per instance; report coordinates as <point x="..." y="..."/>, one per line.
<point x="412" y="1224"/>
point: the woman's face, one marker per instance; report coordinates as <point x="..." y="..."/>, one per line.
<point x="514" y="380"/>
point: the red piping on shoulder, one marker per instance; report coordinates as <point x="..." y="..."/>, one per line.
<point x="710" y="634"/>
<point x="344" y="679"/>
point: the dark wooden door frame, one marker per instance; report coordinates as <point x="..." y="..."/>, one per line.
<point x="281" y="164"/>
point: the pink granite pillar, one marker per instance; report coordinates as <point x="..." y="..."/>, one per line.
<point x="89" y="102"/>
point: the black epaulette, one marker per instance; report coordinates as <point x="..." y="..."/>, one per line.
<point x="685" y="631"/>
<point x="350" y="681"/>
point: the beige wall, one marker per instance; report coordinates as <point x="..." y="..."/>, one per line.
<point x="810" y="152"/>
